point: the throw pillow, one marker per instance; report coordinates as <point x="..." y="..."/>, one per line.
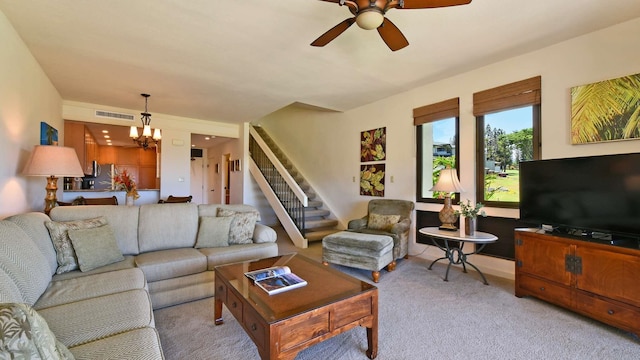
<point x="95" y="247"/>
<point x="242" y="225"/>
<point x="59" y="232"/>
<point x="382" y="222"/>
<point x="26" y="335"/>
<point x="213" y="232"/>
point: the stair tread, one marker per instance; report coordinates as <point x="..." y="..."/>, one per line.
<point x="323" y="223"/>
<point x="320" y="234"/>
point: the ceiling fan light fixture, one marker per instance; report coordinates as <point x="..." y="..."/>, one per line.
<point x="370" y="19"/>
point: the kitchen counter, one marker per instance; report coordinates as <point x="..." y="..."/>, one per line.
<point x="147" y="196"/>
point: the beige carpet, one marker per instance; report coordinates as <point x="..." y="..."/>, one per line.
<point x="421" y="317"/>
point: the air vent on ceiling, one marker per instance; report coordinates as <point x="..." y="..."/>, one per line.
<point x="114" y="115"/>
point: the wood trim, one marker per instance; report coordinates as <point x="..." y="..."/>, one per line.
<point x="438" y="111"/>
<point x="509" y="96"/>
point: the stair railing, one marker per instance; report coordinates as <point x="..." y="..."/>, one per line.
<point x="291" y="197"/>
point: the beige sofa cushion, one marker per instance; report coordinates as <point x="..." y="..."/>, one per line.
<point x="127" y="263"/>
<point x="33" y="225"/>
<point x="143" y="343"/>
<point x="165" y="226"/>
<point x="123" y="220"/>
<point x="26" y="335"/>
<point x="86" y="287"/>
<point x="9" y="292"/>
<point x="23" y="263"/>
<point x="59" y="232"/>
<point x="242" y="225"/>
<point x="212" y="209"/>
<point x="168" y="264"/>
<point x="235" y="253"/>
<point x="96" y="318"/>
<point x="213" y="232"/>
<point x="95" y="247"/>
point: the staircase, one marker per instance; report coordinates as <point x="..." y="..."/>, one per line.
<point x="317" y="219"/>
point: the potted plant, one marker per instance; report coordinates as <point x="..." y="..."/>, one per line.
<point x="470" y="213"/>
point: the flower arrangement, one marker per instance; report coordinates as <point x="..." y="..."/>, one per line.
<point x="124" y="181"/>
<point x="469" y="211"/>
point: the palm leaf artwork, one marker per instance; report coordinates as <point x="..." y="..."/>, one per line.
<point x="606" y="111"/>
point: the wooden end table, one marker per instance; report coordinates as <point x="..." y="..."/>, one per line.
<point x="283" y="324"/>
<point x="456" y="255"/>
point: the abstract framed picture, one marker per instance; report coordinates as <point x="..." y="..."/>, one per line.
<point x="606" y="111"/>
<point x="373" y="144"/>
<point x="48" y="134"/>
<point x="372" y="179"/>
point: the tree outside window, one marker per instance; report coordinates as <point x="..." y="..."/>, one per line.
<point x="508" y="139"/>
<point x="508" y="132"/>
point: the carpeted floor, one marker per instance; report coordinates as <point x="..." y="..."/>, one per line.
<point x="420" y="317"/>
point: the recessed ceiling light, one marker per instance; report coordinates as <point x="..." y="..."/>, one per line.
<point x="193" y="145"/>
<point x="107" y="136"/>
<point x="105" y="131"/>
<point x="207" y="138"/>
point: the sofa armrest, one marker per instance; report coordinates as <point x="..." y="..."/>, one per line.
<point x="264" y="234"/>
<point x="357" y="224"/>
<point x="401" y="227"/>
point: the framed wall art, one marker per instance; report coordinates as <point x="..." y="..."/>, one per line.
<point x="372" y="179"/>
<point x="373" y="144"/>
<point x="606" y="111"/>
<point x="48" y="134"/>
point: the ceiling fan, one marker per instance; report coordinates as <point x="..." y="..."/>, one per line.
<point x="369" y="15"/>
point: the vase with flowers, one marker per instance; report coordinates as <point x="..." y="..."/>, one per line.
<point x="124" y="181"/>
<point x="470" y="213"/>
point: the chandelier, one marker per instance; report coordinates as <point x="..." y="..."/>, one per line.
<point x="146" y="140"/>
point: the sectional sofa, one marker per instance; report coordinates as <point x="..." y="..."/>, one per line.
<point x="125" y="262"/>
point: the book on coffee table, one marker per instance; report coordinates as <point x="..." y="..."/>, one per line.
<point x="276" y="279"/>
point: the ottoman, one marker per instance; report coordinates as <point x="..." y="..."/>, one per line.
<point x="363" y="251"/>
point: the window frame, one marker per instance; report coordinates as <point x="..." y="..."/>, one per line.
<point x="428" y="114"/>
<point x="512" y="96"/>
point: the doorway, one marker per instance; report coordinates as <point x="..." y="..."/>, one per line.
<point x="227" y="178"/>
<point x="198" y="174"/>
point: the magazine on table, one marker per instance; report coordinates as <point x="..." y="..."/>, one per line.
<point x="276" y="279"/>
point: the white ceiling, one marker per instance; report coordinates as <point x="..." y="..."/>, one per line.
<point x="236" y="61"/>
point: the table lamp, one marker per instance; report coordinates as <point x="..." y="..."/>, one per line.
<point x="52" y="161"/>
<point x="448" y="183"/>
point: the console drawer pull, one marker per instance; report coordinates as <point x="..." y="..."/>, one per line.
<point x="611" y="312"/>
<point x="542" y="288"/>
<point x="254" y="327"/>
<point x="234" y="305"/>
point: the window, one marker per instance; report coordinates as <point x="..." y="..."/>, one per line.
<point x="508" y="131"/>
<point x="437" y="143"/>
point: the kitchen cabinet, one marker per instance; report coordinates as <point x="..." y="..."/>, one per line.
<point x="591" y="277"/>
<point x="74" y="138"/>
<point x="108" y="154"/>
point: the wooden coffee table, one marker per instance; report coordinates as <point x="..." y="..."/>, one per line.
<point x="283" y="324"/>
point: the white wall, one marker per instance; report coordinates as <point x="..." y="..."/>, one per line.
<point x="324" y="146"/>
<point x="27" y="97"/>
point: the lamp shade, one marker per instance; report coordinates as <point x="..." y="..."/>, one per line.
<point x="448" y="182"/>
<point x="133" y="132"/>
<point x="51" y="160"/>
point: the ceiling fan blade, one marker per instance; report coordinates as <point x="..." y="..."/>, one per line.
<point x="425" y="4"/>
<point x="392" y="36"/>
<point x="333" y="33"/>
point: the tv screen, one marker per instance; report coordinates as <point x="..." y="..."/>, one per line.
<point x="596" y="194"/>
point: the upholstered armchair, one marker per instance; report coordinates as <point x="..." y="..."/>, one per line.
<point x="387" y="217"/>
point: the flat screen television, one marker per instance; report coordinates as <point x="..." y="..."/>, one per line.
<point x="583" y="194"/>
